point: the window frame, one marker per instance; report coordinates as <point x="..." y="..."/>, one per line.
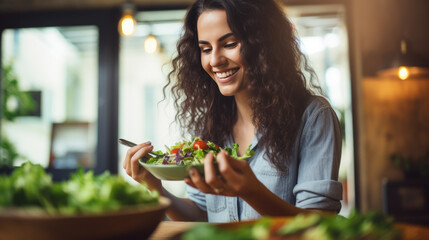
<point x="108" y="77"/>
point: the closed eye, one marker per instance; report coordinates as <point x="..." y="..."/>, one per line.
<point x="206" y="50"/>
<point x="231" y="45"/>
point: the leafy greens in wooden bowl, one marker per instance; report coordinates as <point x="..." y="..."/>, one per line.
<point x="32" y="206"/>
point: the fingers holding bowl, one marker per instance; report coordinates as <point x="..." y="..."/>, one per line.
<point x="209" y="183"/>
<point x="195" y="180"/>
<point x="231" y="169"/>
<point x="210" y="174"/>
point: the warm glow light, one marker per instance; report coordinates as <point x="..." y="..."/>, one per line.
<point x="403" y="73"/>
<point x="127" y="25"/>
<point x="150" y="44"/>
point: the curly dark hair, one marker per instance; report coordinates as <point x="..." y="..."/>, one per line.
<point x="274" y="71"/>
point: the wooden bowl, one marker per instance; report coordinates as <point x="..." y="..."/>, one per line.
<point x="131" y="223"/>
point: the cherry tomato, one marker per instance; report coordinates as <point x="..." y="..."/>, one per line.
<point x="174" y="151"/>
<point x="200" y="145"/>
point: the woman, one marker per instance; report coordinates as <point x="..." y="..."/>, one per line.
<point x="239" y="79"/>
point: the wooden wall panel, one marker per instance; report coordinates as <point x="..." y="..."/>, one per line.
<point x="396" y="120"/>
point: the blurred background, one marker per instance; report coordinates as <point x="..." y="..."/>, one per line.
<point x="77" y="75"/>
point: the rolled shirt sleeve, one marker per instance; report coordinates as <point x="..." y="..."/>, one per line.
<point x="322" y="194"/>
<point x="320" y="153"/>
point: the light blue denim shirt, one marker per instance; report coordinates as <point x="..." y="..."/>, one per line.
<point x="310" y="179"/>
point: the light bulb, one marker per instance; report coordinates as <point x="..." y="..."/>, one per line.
<point x="403" y="73"/>
<point x="127" y="25"/>
<point x="150" y="44"/>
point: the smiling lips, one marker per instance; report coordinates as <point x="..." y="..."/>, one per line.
<point x="222" y="76"/>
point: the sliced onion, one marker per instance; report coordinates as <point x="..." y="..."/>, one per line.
<point x="178" y="157"/>
<point x="165" y="161"/>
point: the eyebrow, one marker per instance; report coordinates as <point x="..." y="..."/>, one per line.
<point x="219" y="40"/>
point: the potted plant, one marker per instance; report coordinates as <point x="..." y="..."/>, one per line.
<point x="412" y="168"/>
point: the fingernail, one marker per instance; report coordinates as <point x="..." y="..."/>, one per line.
<point x="148" y="143"/>
<point x="192" y="171"/>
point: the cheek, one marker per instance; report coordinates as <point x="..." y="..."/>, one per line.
<point x="238" y="58"/>
<point x="206" y="65"/>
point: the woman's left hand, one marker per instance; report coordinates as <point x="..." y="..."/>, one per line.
<point x="237" y="178"/>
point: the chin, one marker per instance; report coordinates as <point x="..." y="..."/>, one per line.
<point x="227" y="92"/>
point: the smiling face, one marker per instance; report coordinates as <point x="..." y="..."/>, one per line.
<point x="220" y="52"/>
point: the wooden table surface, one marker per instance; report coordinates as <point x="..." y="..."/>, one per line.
<point x="172" y="230"/>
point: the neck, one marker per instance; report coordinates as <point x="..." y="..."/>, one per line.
<point x="244" y="129"/>
<point x="244" y="111"/>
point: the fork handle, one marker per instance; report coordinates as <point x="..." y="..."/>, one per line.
<point x="131" y="144"/>
<point x="126" y="142"/>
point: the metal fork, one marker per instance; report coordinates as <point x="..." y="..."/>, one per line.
<point x="131" y="144"/>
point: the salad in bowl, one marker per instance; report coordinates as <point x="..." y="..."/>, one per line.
<point x="175" y="161"/>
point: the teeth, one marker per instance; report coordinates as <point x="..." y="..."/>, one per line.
<point x="225" y="74"/>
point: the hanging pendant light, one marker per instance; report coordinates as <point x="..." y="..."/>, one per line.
<point x="406" y="65"/>
<point x="151" y="44"/>
<point x="127" y="23"/>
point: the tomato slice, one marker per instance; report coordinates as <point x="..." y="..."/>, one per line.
<point x="200" y="145"/>
<point x="174" y="151"/>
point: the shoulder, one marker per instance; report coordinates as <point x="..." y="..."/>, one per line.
<point x="319" y="116"/>
<point x="316" y="106"/>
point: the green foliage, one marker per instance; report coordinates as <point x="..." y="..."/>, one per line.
<point x="8" y="152"/>
<point x="30" y="186"/>
<point x="372" y="225"/>
<point x="14" y="103"/>
<point x="245" y="232"/>
<point x="412" y="167"/>
<point x="11" y="92"/>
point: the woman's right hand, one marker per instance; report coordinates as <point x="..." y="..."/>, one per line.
<point x="136" y="171"/>
<point x="180" y="209"/>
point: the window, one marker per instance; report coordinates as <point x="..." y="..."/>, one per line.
<point x="143" y="116"/>
<point x="61" y="65"/>
<point x="67" y="63"/>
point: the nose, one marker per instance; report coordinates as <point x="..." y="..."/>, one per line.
<point x="217" y="58"/>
